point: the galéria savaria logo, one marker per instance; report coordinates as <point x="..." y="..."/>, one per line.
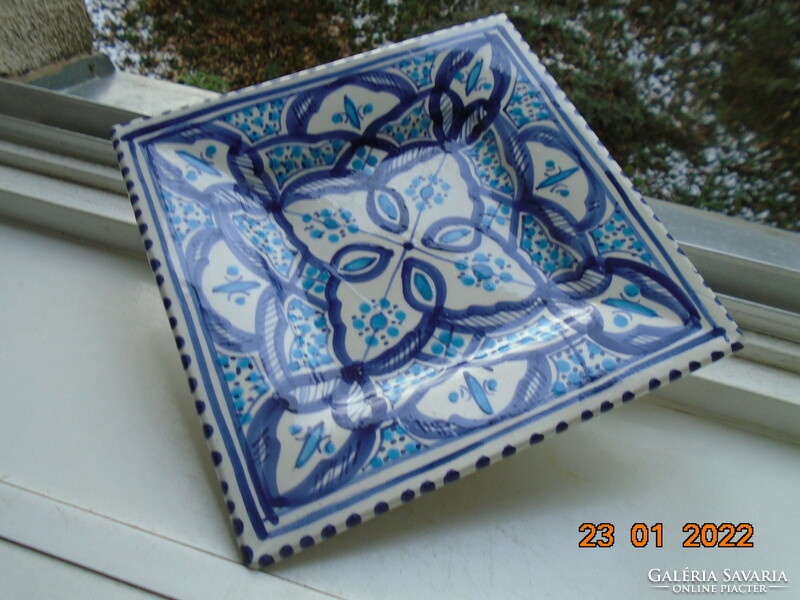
<point x="722" y="582"/>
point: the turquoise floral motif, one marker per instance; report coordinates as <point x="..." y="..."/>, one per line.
<point x="497" y="215"/>
<point x="555" y="178"/>
<point x="377" y="321"/>
<point x="329" y="225"/>
<point x="474" y="79"/>
<point x="352" y="113"/>
<point x="423" y="249"/>
<point x="478" y="391"/>
<point x="485" y="271"/>
<point x="237" y="288"/>
<point x="315" y="440"/>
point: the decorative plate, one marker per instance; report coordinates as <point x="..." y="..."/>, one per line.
<point x="389" y="271"/>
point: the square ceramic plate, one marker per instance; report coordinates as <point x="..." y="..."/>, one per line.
<point x="387" y="272"/>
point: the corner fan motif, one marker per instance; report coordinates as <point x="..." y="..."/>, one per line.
<point x="402" y="256"/>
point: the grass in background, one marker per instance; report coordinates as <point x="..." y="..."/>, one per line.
<point x="698" y="100"/>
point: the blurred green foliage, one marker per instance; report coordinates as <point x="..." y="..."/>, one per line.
<point x="698" y="100"/>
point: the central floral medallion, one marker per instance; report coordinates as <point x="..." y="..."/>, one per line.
<point x="410" y="250"/>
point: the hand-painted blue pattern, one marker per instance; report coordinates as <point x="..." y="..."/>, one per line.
<point x="398" y="237"/>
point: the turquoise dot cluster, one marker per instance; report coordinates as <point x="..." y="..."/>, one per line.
<point x="569" y="371"/>
<point x="315" y="280"/>
<point x="484" y="270"/>
<point x="428" y="191"/>
<point x="448" y="344"/>
<point x="246" y="383"/>
<point x="328" y="224"/>
<point x="185" y="216"/>
<point x="496" y="214"/>
<point x="526" y="105"/>
<point x="378" y="321"/>
<point x="365" y="160"/>
<point x="413" y="125"/>
<point x="268" y="239"/>
<point x="418" y="68"/>
<point x="394" y="444"/>
<point x="617" y="235"/>
<point x="584" y="362"/>
<point x="309" y="326"/>
<point x="547" y="254"/>
<point x="284" y="161"/>
<point x="489" y="164"/>
<point x="259" y="121"/>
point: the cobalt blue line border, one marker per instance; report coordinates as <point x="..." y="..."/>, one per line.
<point x="251" y="507"/>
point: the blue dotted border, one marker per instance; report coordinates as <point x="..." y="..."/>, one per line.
<point x="453" y="475"/>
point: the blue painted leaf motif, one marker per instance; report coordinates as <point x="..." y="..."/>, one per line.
<point x="310" y="445"/>
<point x="474" y="76"/>
<point x="351" y="110"/>
<point x="476" y="389"/>
<point x="456" y="234"/>
<point x="359" y="264"/>
<point x="423" y="286"/>
<point x="630" y="306"/>
<point x="557" y="178"/>
<point x="388" y="207"/>
<point x="449" y="237"/>
<point x="234" y="287"/>
<point x="197" y="163"/>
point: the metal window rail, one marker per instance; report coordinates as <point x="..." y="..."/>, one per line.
<point x="58" y="171"/>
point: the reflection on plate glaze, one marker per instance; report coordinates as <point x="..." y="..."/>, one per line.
<point x="399" y="255"/>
